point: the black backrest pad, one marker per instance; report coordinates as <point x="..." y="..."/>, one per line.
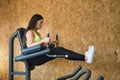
<point x="21" y="32"/>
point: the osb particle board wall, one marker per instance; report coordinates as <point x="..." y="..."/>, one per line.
<point x="79" y="23"/>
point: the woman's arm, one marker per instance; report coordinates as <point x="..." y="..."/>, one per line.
<point x="30" y="39"/>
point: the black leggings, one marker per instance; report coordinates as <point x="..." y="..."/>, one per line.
<point x="57" y="51"/>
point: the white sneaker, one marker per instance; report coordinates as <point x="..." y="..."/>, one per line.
<point x="89" y="48"/>
<point x="89" y="54"/>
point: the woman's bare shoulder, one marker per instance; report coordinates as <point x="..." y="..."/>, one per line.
<point x="29" y="33"/>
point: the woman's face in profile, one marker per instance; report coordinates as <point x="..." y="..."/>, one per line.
<point x="39" y="24"/>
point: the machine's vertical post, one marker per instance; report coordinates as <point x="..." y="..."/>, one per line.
<point x="27" y="73"/>
<point x="11" y="56"/>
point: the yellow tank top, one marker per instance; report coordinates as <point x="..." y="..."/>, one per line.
<point x="36" y="38"/>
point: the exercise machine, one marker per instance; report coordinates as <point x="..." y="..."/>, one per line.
<point x="32" y="52"/>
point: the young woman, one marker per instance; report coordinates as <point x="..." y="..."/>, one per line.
<point x="32" y="38"/>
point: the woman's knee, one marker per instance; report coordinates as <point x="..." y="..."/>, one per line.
<point x="58" y="50"/>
